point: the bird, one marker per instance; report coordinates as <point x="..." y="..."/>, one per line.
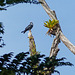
<point x="29" y="27"/>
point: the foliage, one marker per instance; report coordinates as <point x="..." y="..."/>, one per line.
<point x="1" y="32"/>
<point x="23" y="64"/>
<point x="7" y="3"/>
<point x="51" y="24"/>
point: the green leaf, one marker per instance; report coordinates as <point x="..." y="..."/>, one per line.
<point x="50" y="24"/>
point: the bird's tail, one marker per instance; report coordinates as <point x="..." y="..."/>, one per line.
<point x="23" y="31"/>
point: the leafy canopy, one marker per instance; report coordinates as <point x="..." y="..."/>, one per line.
<point x="1" y="32"/>
<point x="33" y="65"/>
<point x="7" y="3"/>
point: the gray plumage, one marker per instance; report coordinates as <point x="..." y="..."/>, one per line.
<point x="29" y="27"/>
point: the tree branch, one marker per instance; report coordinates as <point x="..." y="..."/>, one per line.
<point x="52" y="15"/>
<point x="68" y="44"/>
<point x="47" y="9"/>
<point x="54" y="48"/>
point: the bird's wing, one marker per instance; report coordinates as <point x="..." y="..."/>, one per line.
<point x="27" y="28"/>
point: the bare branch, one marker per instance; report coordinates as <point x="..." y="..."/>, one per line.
<point x="54" y="48"/>
<point x="52" y="15"/>
<point x="47" y="9"/>
<point x="70" y="46"/>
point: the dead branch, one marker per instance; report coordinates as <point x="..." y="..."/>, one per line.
<point x="52" y="15"/>
<point x="47" y="9"/>
<point x="68" y="44"/>
<point x="54" y="48"/>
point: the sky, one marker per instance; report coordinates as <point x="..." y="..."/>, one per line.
<point x="17" y="17"/>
